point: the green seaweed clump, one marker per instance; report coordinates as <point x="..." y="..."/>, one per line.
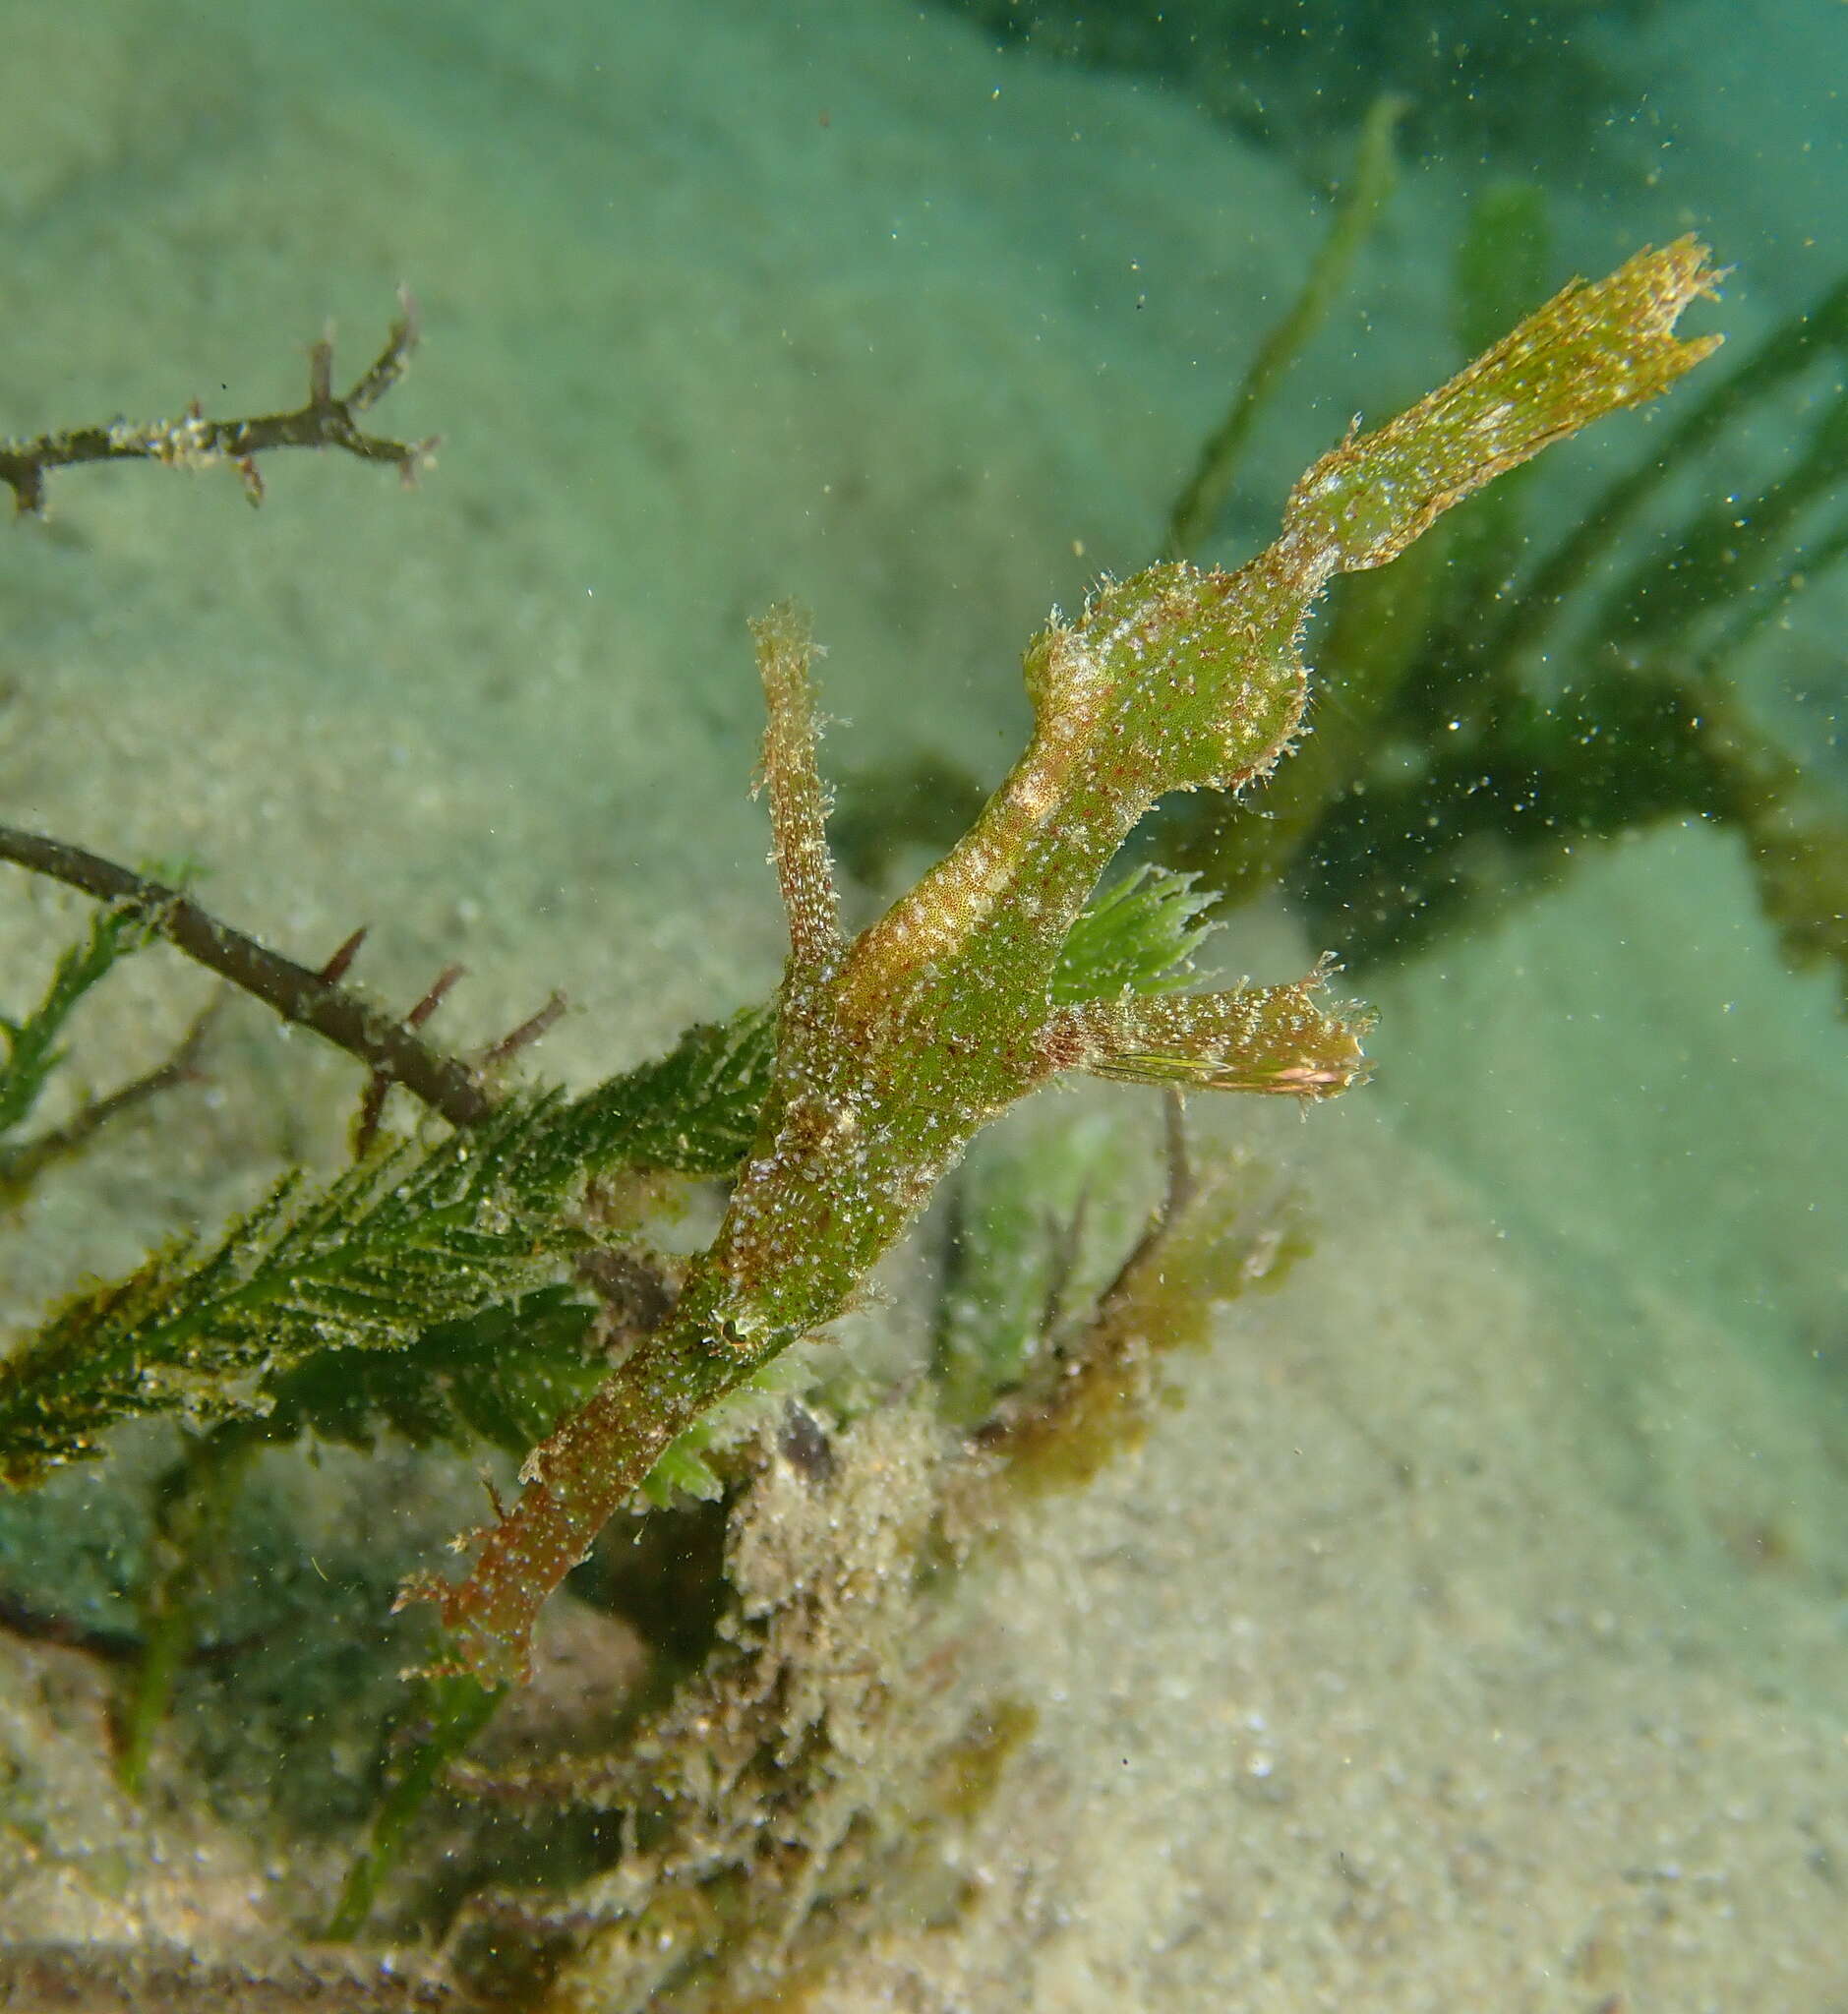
<point x="481" y="1282"/>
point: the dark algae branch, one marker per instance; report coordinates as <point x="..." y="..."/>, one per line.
<point x="894" y="1049"/>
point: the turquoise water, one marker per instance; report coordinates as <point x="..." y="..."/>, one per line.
<point x="1472" y="1636"/>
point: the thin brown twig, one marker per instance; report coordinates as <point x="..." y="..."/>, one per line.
<point x="527" y="1033"/>
<point x="1181" y="1188"/>
<point x="1105" y="1364"/>
<point x="196" y="441"/>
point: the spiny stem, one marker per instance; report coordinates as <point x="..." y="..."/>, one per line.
<point x="292" y="990"/>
